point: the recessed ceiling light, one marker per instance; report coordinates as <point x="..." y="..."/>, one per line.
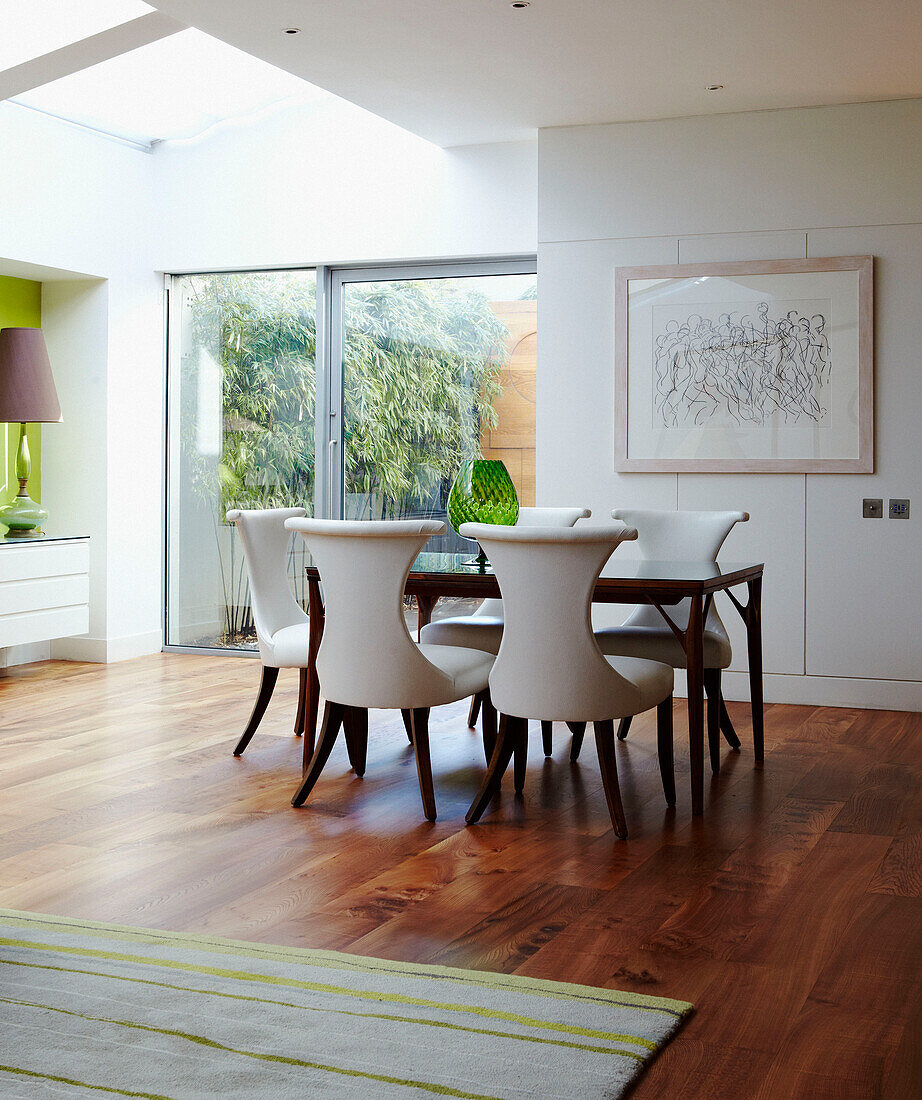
<point x="292" y="30"/>
<point x="713" y="87"/>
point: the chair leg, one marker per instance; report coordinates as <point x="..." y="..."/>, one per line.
<point x="605" y="746"/>
<point x="420" y="722"/>
<point x="299" y="713"/>
<point x="730" y="734"/>
<point x="547" y="737"/>
<point x="266" y="687"/>
<point x="407" y="724"/>
<point x="502" y="754"/>
<point x="578" y="729"/>
<point x="488" y="723"/>
<point x="520" y="754"/>
<point x="332" y="720"/>
<point x="355" y="723"/>
<point x="473" y="712"/>
<point x="664" y="749"/>
<point x="712" y="689"/>
<point x="623" y="726"/>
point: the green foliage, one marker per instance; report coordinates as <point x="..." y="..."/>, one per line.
<point x="260" y="330"/>
<point x="419" y="379"/>
<point x="420" y="375"/>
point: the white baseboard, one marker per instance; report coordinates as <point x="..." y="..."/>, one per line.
<point x="823" y="691"/>
<point x="135" y="645"/>
<point x="106" y="650"/>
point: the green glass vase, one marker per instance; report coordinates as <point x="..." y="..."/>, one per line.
<point x="483" y="493"/>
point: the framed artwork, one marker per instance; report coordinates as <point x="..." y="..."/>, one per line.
<point x="745" y="367"/>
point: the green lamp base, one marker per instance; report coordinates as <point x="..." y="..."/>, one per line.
<point x="23" y="516"/>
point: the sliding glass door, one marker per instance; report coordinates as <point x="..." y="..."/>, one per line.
<point x="241" y="401"/>
<point x="355" y="393"/>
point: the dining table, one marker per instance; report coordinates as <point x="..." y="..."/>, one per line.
<point x="662" y="584"/>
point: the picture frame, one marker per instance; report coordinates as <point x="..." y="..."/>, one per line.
<point x="745" y="367"/>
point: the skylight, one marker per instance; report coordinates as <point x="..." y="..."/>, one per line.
<point x="177" y="87"/>
<point x="37" y="27"/>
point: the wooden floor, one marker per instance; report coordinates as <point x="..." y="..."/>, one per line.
<point x="791" y="914"/>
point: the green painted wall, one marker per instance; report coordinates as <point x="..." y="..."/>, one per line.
<point x="20" y="307"/>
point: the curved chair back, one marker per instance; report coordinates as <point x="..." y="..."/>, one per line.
<point x="367" y="657"/>
<point x="549" y="665"/>
<point x="536" y="517"/>
<point x="551" y="517"/>
<point x="265" y="548"/>
<point x="678" y="536"/>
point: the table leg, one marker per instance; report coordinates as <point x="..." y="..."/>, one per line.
<point x="425" y="605"/>
<point x="312" y="692"/>
<point x="754" y="638"/>
<point x="694" y="668"/>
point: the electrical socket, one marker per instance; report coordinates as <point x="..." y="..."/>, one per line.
<point x="872" y="508"/>
<point x="899" y="508"/>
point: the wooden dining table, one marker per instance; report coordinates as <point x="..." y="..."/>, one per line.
<point x="662" y="584"/>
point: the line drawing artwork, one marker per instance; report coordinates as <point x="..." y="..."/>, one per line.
<point x="729" y="364"/>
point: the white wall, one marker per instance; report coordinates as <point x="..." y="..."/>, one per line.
<point x="842" y="594"/>
<point x="76" y="206"/>
<point x="329" y="182"/>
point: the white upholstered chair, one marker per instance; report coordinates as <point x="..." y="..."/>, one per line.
<point x="281" y="624"/>
<point x="549" y="663"/>
<point x="484" y="628"/>
<point x="367" y="657"/>
<point x="678" y="536"/>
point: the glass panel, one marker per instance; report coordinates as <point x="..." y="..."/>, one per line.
<point x="42" y="26"/>
<point x="241" y="434"/>
<point x="435" y="371"/>
<point x="199" y="80"/>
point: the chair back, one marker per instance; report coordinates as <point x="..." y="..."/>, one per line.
<point x="536" y="517"/>
<point x="265" y="548"/>
<point x="367" y="657"/>
<point x="549" y="665"/>
<point x="678" y="536"/>
<point x="551" y="517"/>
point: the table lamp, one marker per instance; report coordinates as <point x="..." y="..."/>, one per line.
<point x="482" y="492"/>
<point x="27" y="396"/>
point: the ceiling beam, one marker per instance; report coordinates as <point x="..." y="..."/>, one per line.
<point x="87" y="52"/>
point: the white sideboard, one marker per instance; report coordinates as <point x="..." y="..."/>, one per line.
<point x="44" y="589"/>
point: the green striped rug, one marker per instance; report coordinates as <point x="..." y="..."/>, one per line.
<point x="91" y="1009"/>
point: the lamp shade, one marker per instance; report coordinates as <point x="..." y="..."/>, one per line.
<point x="27" y="393"/>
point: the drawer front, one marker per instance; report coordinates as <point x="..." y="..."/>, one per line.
<point x="40" y="626"/>
<point x="37" y="561"/>
<point x="41" y="595"/>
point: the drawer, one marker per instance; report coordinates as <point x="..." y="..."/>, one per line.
<point x="40" y="595"/>
<point x="43" y="560"/>
<point x="39" y="626"/>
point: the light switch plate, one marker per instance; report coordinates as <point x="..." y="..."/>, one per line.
<point x="872" y="508"/>
<point x="899" y="508"/>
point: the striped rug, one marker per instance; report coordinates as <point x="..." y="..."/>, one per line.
<point x="91" y="1009"/>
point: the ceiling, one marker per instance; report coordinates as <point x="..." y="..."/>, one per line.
<point x="465" y="71"/>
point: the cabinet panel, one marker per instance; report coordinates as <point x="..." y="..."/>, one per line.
<point x="40" y="626"/>
<point x="32" y="561"/>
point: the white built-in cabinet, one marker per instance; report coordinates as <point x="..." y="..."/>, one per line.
<point x="44" y="589"/>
